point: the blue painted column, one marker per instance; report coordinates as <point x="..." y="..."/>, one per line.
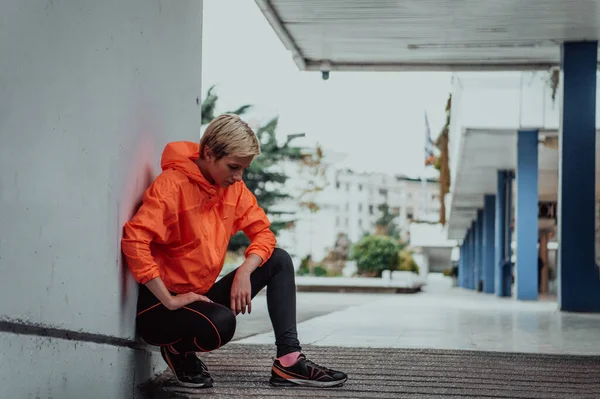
<point x="501" y="224"/>
<point x="489" y="242"/>
<point x="508" y="268"/>
<point x="473" y="255"/>
<point x="475" y="274"/>
<point x="466" y="264"/>
<point x="526" y="276"/>
<point x="461" y="266"/>
<point x="479" y="250"/>
<point x="579" y="285"/>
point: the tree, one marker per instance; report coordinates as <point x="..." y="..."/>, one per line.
<point x="336" y="258"/>
<point x="385" y="224"/>
<point x="441" y="162"/>
<point x="374" y="254"/>
<point x="207" y="109"/>
<point x="406" y="261"/>
<point x="265" y="177"/>
<point x="443" y="165"/>
<point x="317" y="181"/>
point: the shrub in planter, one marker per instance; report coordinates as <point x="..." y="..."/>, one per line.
<point x="320" y="271"/>
<point x="406" y="262"/>
<point x="304" y="268"/>
<point x="374" y="254"/>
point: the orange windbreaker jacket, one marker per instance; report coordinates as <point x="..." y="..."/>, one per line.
<point x="183" y="227"/>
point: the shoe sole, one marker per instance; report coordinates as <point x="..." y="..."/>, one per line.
<point x="307" y="383"/>
<point x="207" y="384"/>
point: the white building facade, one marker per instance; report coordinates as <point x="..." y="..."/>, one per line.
<point x="349" y="204"/>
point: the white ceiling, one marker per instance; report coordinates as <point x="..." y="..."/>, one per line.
<point x="430" y="34"/>
<point x="484" y="153"/>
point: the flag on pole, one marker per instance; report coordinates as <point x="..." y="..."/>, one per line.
<point x="429" y="155"/>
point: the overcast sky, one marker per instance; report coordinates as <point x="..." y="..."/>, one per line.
<point x="376" y="119"/>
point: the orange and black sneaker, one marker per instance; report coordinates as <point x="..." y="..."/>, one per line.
<point x="306" y="373"/>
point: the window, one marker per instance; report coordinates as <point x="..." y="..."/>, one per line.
<point x="337" y="185"/>
<point x="383" y="191"/>
<point x="360" y="222"/>
<point x="360" y="187"/>
<point x="396" y="210"/>
<point x="347" y="222"/>
<point x="360" y="207"/>
<point x="337" y="221"/>
<point x="370" y="209"/>
<point x="409" y="213"/>
<point x="347" y="186"/>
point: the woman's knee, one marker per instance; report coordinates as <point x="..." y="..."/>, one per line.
<point x="214" y="325"/>
<point x="226" y="323"/>
<point x="283" y="260"/>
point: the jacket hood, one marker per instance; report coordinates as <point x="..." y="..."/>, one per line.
<point x="180" y="155"/>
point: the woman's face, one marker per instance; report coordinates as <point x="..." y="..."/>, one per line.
<point x="227" y="170"/>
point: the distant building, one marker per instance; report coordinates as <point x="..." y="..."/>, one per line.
<point x="349" y="204"/>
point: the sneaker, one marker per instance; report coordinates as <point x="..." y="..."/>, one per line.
<point x="304" y="372"/>
<point x="188" y="369"/>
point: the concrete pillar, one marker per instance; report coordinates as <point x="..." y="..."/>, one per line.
<point x="86" y="108"/>
<point x="526" y="278"/>
<point x="468" y="260"/>
<point x="461" y="266"/>
<point x="472" y="284"/>
<point x="466" y="263"/>
<point x="500" y="249"/>
<point x="489" y="242"/>
<point x="479" y="251"/>
<point x="579" y="285"/>
<point x="543" y="254"/>
<point x="509" y="272"/>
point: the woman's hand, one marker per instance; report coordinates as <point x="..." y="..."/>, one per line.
<point x="172" y="302"/>
<point x="181" y="300"/>
<point x="241" y="292"/>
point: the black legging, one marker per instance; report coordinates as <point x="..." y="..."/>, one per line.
<point x="204" y="326"/>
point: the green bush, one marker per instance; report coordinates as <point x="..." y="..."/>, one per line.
<point x="374" y="254"/>
<point x="320" y="271"/>
<point x="406" y="261"/>
<point x="304" y="268"/>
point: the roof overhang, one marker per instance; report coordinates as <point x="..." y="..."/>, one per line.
<point x="430" y="35"/>
<point x="484" y="153"/>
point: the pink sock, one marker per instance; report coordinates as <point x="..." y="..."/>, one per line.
<point x="289" y="359"/>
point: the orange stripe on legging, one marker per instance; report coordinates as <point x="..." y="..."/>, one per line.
<point x="151" y="307"/>
<point x="211" y="323"/>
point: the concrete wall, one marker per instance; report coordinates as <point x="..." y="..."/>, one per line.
<point x="90" y="92"/>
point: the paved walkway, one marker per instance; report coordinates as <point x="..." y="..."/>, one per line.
<point x="243" y="371"/>
<point x="444" y="319"/>
<point x="442" y="343"/>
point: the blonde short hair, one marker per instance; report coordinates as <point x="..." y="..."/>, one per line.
<point x="228" y="134"/>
